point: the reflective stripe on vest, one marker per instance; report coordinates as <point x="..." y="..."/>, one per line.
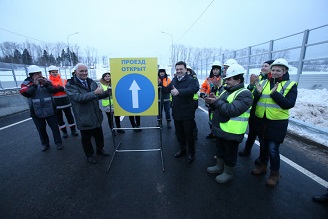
<point x="266" y="105"/>
<point x="236" y="125"/>
<point x="105" y="102"/>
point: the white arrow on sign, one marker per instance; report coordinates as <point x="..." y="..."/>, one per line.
<point x="135" y="88"/>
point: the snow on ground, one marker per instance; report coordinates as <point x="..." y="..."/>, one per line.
<point x="312" y="107"/>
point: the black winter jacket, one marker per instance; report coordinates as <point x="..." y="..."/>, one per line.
<point x="183" y="104"/>
<point x="224" y="111"/>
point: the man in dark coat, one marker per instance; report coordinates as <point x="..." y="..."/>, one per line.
<point x="182" y="89"/>
<point x="84" y="94"/>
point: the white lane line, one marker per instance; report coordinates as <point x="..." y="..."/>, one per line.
<point x="14" y="124"/>
<point x="292" y="164"/>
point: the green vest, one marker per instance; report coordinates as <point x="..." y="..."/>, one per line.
<point x="105" y="102"/>
<point x="266" y="105"/>
<point x="236" y="125"/>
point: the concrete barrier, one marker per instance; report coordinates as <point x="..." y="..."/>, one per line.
<point x="12" y="103"/>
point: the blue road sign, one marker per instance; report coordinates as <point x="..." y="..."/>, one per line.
<point x="135" y="93"/>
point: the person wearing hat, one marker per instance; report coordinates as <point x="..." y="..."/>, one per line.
<point x="230" y="119"/>
<point x="265" y="70"/>
<point x="62" y="102"/>
<point x="39" y="92"/>
<point x="211" y="85"/>
<point x="164" y="97"/>
<point x="273" y="98"/>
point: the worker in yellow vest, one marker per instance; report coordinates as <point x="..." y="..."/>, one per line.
<point x="229" y="122"/>
<point x="107" y="104"/>
<point x="265" y="70"/>
<point x="273" y="97"/>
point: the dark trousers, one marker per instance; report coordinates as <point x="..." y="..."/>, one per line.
<point x="270" y="150"/>
<point x="166" y="106"/>
<point x="251" y="136"/>
<point x="41" y="125"/>
<point x="184" y="131"/>
<point x="227" y="150"/>
<point x="134" y="120"/>
<point x="98" y="135"/>
<point x="110" y="120"/>
<point x="68" y="114"/>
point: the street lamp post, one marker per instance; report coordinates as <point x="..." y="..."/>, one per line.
<point x="171" y="45"/>
<point x="69" y="51"/>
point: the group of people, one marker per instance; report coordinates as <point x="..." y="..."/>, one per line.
<point x="263" y="107"/>
<point x="49" y="98"/>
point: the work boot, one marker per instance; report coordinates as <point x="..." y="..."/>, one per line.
<point x="158" y="123"/>
<point x="226" y="176"/>
<point x="260" y="169"/>
<point x="218" y="168"/>
<point x="195" y="132"/>
<point x="64" y="131"/>
<point x="168" y="124"/>
<point x="73" y="131"/>
<point x="273" y="179"/>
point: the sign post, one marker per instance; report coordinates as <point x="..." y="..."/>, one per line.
<point x="135" y="93"/>
<point x="134" y="86"/>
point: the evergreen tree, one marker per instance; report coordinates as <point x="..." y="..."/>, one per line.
<point x="75" y="59"/>
<point x="52" y="60"/>
<point x="17" y="59"/>
<point x="26" y="57"/>
<point x="45" y="58"/>
<point x="58" y="61"/>
<point x="63" y="57"/>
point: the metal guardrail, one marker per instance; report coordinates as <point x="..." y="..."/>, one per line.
<point x="306" y="52"/>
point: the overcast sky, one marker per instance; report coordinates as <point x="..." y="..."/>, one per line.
<point x="128" y="28"/>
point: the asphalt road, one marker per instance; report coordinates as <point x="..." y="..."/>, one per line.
<point x="61" y="184"/>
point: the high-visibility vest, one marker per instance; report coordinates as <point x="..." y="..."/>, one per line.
<point x="105" y="102"/>
<point x="266" y="105"/>
<point x="236" y="125"/>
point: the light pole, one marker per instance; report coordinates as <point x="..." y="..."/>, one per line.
<point x="171" y="46"/>
<point x="69" y="51"/>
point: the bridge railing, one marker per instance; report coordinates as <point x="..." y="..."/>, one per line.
<point x="306" y="53"/>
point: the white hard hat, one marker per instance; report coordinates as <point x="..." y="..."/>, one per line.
<point x="230" y="62"/>
<point x="280" y="61"/>
<point x="189" y="67"/>
<point x="161" y="67"/>
<point x="33" y="69"/>
<point x="234" y="70"/>
<point x="217" y="63"/>
<point x="53" y="68"/>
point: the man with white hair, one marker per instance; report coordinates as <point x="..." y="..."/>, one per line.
<point x="84" y="94"/>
